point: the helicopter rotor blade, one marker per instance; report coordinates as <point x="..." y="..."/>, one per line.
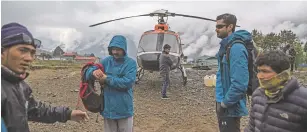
<point x="118" y="19"/>
<point x="203" y="18"/>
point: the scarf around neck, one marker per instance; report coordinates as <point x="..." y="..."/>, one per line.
<point x="274" y="85"/>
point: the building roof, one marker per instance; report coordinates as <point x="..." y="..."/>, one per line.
<point x="85" y="58"/>
<point x="39" y="51"/>
<point x="69" y="54"/>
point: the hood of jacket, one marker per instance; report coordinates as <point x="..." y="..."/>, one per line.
<point x="240" y="34"/>
<point x="118" y="41"/>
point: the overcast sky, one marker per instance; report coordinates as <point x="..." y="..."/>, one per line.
<point x="66" y="22"/>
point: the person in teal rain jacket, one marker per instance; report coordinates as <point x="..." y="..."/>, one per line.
<point x="118" y="80"/>
<point x="232" y="79"/>
<point x="3" y="127"/>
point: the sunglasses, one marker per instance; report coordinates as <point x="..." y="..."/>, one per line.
<point x="220" y="26"/>
<point x="20" y="38"/>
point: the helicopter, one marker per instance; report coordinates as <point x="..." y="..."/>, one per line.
<point x="152" y="41"/>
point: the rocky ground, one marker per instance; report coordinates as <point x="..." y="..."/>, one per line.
<point x="190" y="108"/>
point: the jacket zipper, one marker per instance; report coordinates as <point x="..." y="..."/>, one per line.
<point x="264" y="117"/>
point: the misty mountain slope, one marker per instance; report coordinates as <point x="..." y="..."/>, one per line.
<point x="98" y="45"/>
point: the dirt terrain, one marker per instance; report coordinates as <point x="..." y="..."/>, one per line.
<point x="190" y="108"/>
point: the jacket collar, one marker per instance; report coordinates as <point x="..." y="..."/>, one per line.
<point x="10" y="76"/>
<point x="290" y="86"/>
<point x="223" y="45"/>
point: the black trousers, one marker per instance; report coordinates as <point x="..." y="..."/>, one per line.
<point x="227" y="124"/>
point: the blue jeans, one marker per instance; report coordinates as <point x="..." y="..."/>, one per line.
<point x="165" y="83"/>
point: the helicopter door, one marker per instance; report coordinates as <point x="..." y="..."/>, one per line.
<point x="171" y="40"/>
<point x="160" y="41"/>
<point x="148" y="43"/>
<point x="147" y="52"/>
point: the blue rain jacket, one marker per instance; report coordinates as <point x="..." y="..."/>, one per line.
<point x="3" y="127"/>
<point x="232" y="82"/>
<point x="121" y="76"/>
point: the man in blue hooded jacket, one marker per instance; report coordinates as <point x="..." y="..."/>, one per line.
<point x="232" y="79"/>
<point x="118" y="80"/>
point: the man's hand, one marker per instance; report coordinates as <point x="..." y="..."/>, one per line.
<point x="223" y="105"/>
<point x="220" y="110"/>
<point x="102" y="80"/>
<point x="98" y="74"/>
<point x="173" y="66"/>
<point x="78" y="116"/>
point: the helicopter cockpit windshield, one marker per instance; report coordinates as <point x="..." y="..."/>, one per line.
<point x="155" y="42"/>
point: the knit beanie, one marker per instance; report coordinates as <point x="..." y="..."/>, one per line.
<point x="13" y="29"/>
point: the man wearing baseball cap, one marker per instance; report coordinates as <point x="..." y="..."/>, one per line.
<point x="18" y="105"/>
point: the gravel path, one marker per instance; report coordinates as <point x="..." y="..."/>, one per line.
<point x="190" y="108"/>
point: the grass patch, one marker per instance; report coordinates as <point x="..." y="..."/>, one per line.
<point x="302" y="68"/>
<point x="187" y="65"/>
<point x="54" y="64"/>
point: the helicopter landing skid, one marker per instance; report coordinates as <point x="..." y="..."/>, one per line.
<point x="139" y="75"/>
<point x="184" y="75"/>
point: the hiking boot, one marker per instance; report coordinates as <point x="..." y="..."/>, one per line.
<point x="165" y="97"/>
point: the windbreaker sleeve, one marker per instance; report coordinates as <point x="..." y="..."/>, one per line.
<point x="127" y="80"/>
<point x="218" y="85"/>
<point x="41" y="112"/>
<point x="89" y="73"/>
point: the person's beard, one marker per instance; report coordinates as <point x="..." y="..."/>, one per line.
<point x="222" y="35"/>
<point x="118" y="56"/>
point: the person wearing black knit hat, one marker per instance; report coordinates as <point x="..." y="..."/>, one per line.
<point x="18" y="105"/>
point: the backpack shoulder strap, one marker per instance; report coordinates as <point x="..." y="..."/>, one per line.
<point x="230" y="45"/>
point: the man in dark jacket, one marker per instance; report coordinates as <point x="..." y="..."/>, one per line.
<point x="166" y="64"/>
<point x="18" y="105"/>
<point x="280" y="104"/>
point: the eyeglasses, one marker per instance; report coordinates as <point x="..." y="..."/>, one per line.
<point x="220" y="26"/>
<point x="20" y="38"/>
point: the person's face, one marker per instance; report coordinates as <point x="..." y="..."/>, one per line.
<point x="18" y="57"/>
<point x="167" y="50"/>
<point x="117" y="52"/>
<point x="265" y="72"/>
<point x="222" y="29"/>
